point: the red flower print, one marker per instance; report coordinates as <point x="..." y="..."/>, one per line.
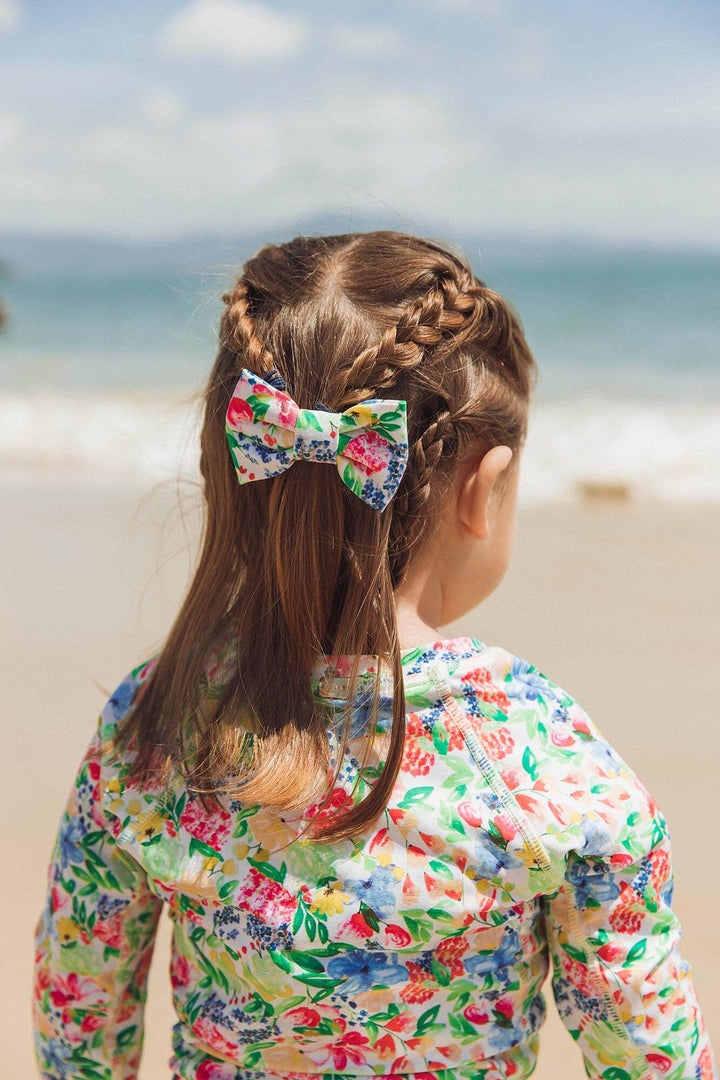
<point x="579" y="723"/>
<point x="625" y="919"/>
<point x="661" y="1062"/>
<point x="449" y="952"/>
<point x="357" y="927"/>
<point x="210" y="1070"/>
<point x="369" y="451"/>
<point x="480" y="679"/>
<point x="416" y="761"/>
<point x="414" y="725"/>
<point x="76" y="991"/>
<point x="505" y="827"/>
<point x="560" y="736"/>
<point x="505" y="1008"/>
<point x="398" y="935"/>
<point x="110" y="931"/>
<point x="659" y="867"/>
<point x="471" y="813"/>
<point x="350" y="1046"/>
<point x="402" y="1022"/>
<point x="385" y="1046"/>
<point x="705" y="1065"/>
<point x="338" y="802"/>
<point x="213" y="1037"/>
<point x="475" y="1015"/>
<point x="91" y="1023"/>
<point x="419" y="987"/>
<point x="455" y="738"/>
<point x="180" y="971"/>
<point x="304" y="1017"/>
<point x="577" y="975"/>
<point x="266" y="898"/>
<point x="610" y="953"/>
<point x="498" y="744"/>
<point x="239" y="412"/>
<point x="212" y="827"/>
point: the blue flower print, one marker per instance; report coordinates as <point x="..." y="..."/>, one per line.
<point x="592" y="880"/>
<point x="508" y="952"/>
<point x="70" y="836"/>
<point x="378" y="890"/>
<point x="122" y="699"/>
<point x="526" y="681"/>
<point x="598" y="840"/>
<point x="364" y="970"/>
<point x="489" y="861"/>
<point x="56" y="1054"/>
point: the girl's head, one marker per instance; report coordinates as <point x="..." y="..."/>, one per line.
<point x="297" y="566"/>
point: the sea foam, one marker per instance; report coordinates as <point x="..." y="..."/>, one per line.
<point x="637" y="449"/>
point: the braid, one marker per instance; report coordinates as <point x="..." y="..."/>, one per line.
<point x="238" y="332"/>
<point x="451" y="310"/>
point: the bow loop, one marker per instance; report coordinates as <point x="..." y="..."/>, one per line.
<point x="267" y="431"/>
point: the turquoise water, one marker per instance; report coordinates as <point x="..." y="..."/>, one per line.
<point x="643" y="326"/>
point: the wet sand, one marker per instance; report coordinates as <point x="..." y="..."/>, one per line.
<point x="615" y="601"/>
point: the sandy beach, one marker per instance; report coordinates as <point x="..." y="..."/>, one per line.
<point x="616" y="602"/>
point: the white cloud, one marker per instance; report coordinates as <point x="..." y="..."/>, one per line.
<point x="162" y="168"/>
<point x="11" y="126"/>
<point x="163" y="108"/>
<point x="361" y="40"/>
<point x="237" y="30"/>
<point x="10" y="15"/>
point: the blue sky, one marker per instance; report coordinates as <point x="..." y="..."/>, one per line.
<point x="542" y="118"/>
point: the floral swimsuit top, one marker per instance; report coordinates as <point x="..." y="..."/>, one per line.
<point x="516" y="843"/>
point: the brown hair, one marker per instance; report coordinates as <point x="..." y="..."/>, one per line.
<point x="299" y="566"/>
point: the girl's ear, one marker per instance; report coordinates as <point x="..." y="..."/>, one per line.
<point x="474" y="496"/>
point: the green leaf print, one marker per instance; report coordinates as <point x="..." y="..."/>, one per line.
<point x="529" y="762"/>
<point x="352" y="480"/>
<point x="199" y="847"/>
<point x="370" y="917"/>
<point x="427" y="1020"/>
<point x="441" y="973"/>
<point x="635" y="953"/>
<point x="298" y="917"/>
<point x="280" y="960"/>
<point x="275" y="873"/>
<point x="414" y="796"/>
<point x="304" y="960"/>
<point x="440" y="739"/>
<point x="258" y="405"/>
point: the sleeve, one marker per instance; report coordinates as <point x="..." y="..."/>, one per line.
<point x="93" y="944"/>
<point x="621" y="985"/>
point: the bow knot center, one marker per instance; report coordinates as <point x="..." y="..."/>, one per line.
<point x="316" y="435"/>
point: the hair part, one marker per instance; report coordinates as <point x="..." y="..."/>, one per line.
<point x="298" y="567"/>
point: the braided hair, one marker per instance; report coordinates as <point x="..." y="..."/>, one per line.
<point x="297" y="566"/>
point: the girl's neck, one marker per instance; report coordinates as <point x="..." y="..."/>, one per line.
<point x="418" y="603"/>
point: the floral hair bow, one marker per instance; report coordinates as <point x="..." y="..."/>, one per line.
<point x="267" y="431"/>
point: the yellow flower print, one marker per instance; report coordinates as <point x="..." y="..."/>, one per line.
<point x="363" y="414"/>
<point x="67" y="930"/>
<point x="270" y="830"/>
<point x="287" y="1058"/>
<point x="330" y="900"/>
<point x="145" y="828"/>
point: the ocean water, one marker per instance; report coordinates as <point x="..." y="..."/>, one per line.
<point x="99" y="368"/>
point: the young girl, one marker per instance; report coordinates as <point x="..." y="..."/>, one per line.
<point x="374" y="842"/>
